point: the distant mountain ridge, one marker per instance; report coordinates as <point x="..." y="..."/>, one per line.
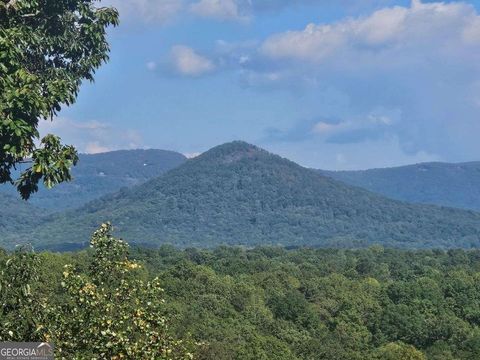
<point x="446" y="184"/>
<point x="99" y="174"/>
<point x="239" y="194"/>
<point x="96" y="175"/>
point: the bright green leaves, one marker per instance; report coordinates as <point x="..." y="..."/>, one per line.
<point x="111" y="313"/>
<point x="105" y="312"/>
<point x="47" y="48"/>
<point x="21" y="309"/>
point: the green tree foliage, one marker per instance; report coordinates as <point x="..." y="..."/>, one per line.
<point x="47" y="48"/>
<point x="323" y="304"/>
<point x="261" y="303"/>
<point x="106" y="311"/>
<point x="14" y="213"/>
<point x="21" y="309"/>
<point x="399" y="351"/>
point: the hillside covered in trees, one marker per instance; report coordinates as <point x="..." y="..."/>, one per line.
<point x="456" y="185"/>
<point x="96" y="175"/>
<point x="240" y="194"/>
<point x="16" y="214"/>
<point x="232" y="303"/>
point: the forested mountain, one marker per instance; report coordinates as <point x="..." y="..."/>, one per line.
<point x="17" y="215"/>
<point x="100" y="174"/>
<point x="239" y="194"/>
<point x="456" y="185"/>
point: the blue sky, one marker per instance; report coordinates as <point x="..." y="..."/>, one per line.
<point x="333" y="84"/>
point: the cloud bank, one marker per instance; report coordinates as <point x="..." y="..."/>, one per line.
<point x="420" y="63"/>
<point x="165" y="11"/>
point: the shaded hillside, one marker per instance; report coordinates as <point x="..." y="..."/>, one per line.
<point x="100" y="174"/>
<point x="239" y="194"/>
<point x="456" y="185"/>
<point x="15" y="216"/>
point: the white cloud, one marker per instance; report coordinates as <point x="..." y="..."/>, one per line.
<point x="91" y="136"/>
<point x="471" y="32"/>
<point x="218" y="9"/>
<point x="187" y="62"/>
<point x="165" y="11"/>
<point x="160" y="11"/>
<point x="313" y="44"/>
<point x="436" y="26"/>
<point x="419" y="64"/>
<point x="326" y="128"/>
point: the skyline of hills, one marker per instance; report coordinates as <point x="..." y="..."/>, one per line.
<point x="99" y="174"/>
<point x="438" y="183"/>
<point x="446" y="184"/>
<point x="239" y="194"/>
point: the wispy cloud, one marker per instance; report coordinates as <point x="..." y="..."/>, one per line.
<point x="158" y="11"/>
<point x="218" y="9"/>
<point x="378" y="124"/>
<point x="189" y="63"/>
<point x="184" y="61"/>
<point x="92" y="136"/>
<point x="398" y="80"/>
<point x="167" y="11"/>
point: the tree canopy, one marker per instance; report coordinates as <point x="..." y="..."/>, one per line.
<point x="115" y="302"/>
<point x="47" y="48"/>
<point x="107" y="311"/>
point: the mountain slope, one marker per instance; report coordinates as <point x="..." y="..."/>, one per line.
<point x="100" y="174"/>
<point x="456" y="185"/>
<point x="239" y="194"/>
<point x="16" y="215"/>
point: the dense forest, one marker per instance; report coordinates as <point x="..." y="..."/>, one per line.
<point x="239" y="194"/>
<point x="237" y="303"/>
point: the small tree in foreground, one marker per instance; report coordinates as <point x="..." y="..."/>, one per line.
<point x="21" y="312"/>
<point x="106" y="313"/>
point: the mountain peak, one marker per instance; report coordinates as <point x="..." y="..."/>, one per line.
<point x="236" y="146"/>
<point x="239" y="194"/>
<point x="233" y="151"/>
